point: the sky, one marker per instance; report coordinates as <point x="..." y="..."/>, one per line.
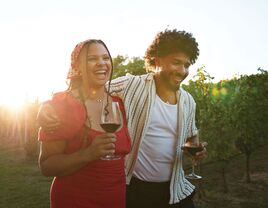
<point x="37" y="37"/>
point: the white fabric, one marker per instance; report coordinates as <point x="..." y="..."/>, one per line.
<point x="158" y="149"/>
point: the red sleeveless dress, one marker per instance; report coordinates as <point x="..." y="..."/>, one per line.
<point x="100" y="184"/>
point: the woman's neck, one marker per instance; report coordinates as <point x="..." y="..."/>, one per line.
<point x="96" y="93"/>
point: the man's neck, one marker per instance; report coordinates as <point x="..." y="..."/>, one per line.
<point x="164" y="92"/>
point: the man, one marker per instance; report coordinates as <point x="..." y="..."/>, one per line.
<point x="161" y="118"/>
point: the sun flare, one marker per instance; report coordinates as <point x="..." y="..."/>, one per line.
<point x="12" y="102"/>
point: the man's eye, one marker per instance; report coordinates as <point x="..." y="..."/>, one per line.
<point x="177" y="63"/>
<point x="187" y="66"/>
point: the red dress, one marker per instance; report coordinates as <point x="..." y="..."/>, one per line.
<point x="100" y="184"/>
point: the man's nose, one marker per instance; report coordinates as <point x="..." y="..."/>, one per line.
<point x="182" y="69"/>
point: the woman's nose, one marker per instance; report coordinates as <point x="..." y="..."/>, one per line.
<point x="100" y="62"/>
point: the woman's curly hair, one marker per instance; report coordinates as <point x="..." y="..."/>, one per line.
<point x="168" y="42"/>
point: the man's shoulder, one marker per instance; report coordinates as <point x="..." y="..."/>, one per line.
<point x="186" y="95"/>
<point x="130" y="77"/>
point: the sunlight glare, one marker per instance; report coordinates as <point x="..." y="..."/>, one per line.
<point x="14" y="102"/>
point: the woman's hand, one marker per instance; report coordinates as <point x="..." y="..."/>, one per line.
<point x="54" y="162"/>
<point x="100" y="146"/>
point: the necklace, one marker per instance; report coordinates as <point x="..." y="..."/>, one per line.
<point x="99" y="100"/>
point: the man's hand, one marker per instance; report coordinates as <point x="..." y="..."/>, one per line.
<point x="47" y="118"/>
<point x="199" y="156"/>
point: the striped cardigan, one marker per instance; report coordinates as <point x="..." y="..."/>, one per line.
<point x="138" y="94"/>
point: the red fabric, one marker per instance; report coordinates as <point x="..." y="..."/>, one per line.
<point x="100" y="184"/>
<point x="72" y="115"/>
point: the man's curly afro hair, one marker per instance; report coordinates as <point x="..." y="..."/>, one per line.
<point x="171" y="41"/>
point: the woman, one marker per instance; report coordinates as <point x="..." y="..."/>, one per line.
<point x="72" y="153"/>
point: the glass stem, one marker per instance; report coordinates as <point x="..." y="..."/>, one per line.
<point x="193" y="169"/>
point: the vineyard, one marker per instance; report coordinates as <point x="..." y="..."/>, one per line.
<point x="232" y="116"/>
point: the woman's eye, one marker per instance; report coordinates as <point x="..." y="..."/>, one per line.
<point x="91" y="59"/>
<point x="106" y="58"/>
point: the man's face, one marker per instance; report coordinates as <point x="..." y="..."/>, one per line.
<point x="173" y="69"/>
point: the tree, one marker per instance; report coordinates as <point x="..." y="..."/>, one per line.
<point x="251" y="112"/>
<point x="119" y="66"/>
<point x="124" y="65"/>
<point x="212" y="116"/>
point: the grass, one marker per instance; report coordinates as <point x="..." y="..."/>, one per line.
<point x="21" y="183"/>
<point x="23" y="186"/>
<point x="240" y="194"/>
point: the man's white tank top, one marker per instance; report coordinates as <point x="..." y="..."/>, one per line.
<point x="158" y="149"/>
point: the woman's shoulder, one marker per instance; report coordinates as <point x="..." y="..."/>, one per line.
<point x="61" y="96"/>
<point x="65" y="98"/>
<point x="71" y="114"/>
<point x="67" y="105"/>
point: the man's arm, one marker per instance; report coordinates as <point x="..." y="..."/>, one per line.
<point x="47" y="117"/>
<point x="118" y="85"/>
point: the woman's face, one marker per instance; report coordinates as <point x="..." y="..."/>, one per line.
<point x="98" y="65"/>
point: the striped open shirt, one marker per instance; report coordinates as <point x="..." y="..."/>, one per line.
<point x="138" y="94"/>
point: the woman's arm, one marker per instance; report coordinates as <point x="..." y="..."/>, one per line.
<point x="54" y="162"/>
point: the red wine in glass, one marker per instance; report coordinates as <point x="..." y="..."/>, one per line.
<point x="110" y="127"/>
<point x="193" y="147"/>
<point x="110" y="122"/>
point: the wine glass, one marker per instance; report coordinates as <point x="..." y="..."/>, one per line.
<point x="110" y="122"/>
<point x="192" y="146"/>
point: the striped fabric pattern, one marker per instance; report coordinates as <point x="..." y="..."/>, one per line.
<point x="138" y="94"/>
